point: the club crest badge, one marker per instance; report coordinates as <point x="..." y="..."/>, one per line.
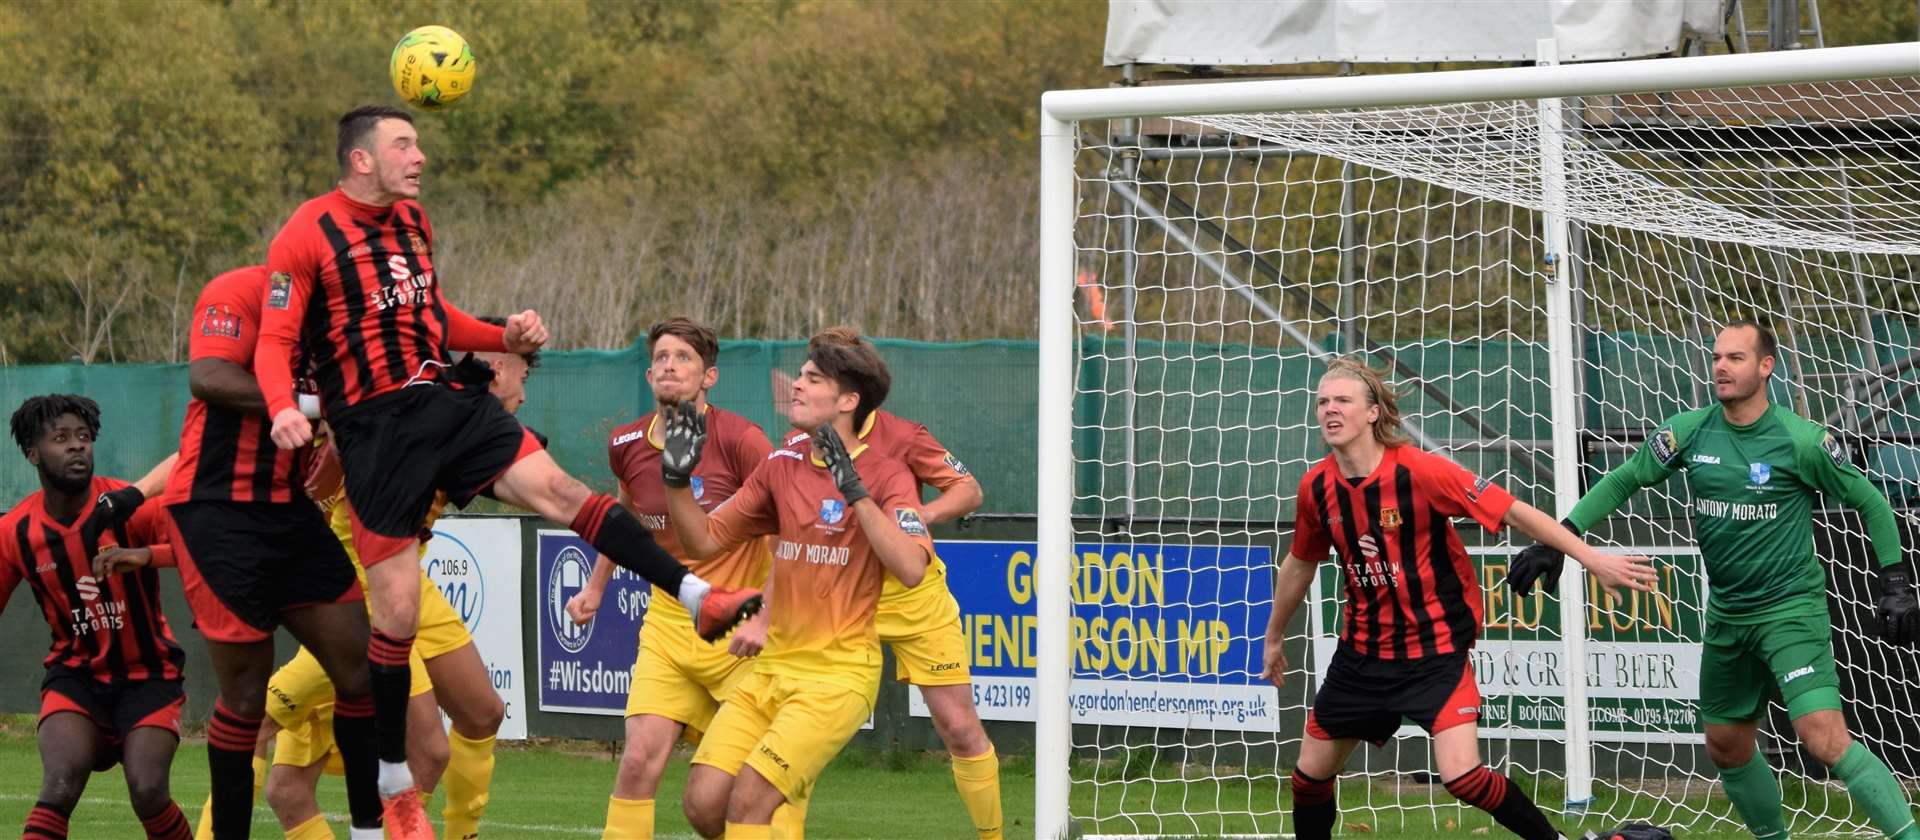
<point x="832" y="511"/>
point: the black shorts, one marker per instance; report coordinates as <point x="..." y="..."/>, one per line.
<point x="1367" y="698"/>
<point x="116" y="708"/>
<point x="398" y="449"/>
<point x="244" y="563"/>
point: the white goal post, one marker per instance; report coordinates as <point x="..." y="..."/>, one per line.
<point x="1279" y="210"/>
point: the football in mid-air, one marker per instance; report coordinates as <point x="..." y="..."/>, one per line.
<point x="432" y="67"/>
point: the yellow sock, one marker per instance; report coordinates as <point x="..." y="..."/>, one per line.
<point x="315" y="828"/>
<point x="205" y="830"/>
<point x="978" y="779"/>
<point x="206" y="821"/>
<point x="736" y="831"/>
<point x="628" y="819"/>
<point x="468" y="779"/>
<point x="790" y="819"/>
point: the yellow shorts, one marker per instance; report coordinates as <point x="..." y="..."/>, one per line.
<point x="300" y="700"/>
<point x="788" y="730"/>
<point x="923" y="628"/>
<point x="679" y="677"/>
<point x="441" y="630"/>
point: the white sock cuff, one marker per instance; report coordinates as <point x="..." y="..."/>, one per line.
<point x="394" y="778"/>
<point x="693" y="590"/>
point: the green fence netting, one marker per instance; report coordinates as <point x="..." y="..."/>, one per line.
<point x="1213" y="431"/>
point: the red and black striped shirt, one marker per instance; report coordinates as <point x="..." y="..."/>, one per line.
<point x="353" y="286"/>
<point x="1411" y="589"/>
<point x="227" y="455"/>
<point x="112" y="627"/>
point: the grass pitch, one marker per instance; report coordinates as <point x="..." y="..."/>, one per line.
<point x="560" y="788"/>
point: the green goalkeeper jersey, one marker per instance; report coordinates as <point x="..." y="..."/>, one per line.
<point x="1753" y="489"/>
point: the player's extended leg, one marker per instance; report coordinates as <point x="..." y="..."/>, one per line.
<point x="426" y="742"/>
<point x="148" y="758"/>
<point x="1798" y="652"/>
<point x="705" y="799"/>
<point x="1735" y="685"/>
<point x="976" y="769"/>
<point x="751" y="805"/>
<point x="467" y="695"/>
<point x="643" y="759"/>
<point x="70" y="745"/>
<point x="1315" y="784"/>
<point x="1746" y="778"/>
<point x="291" y="795"/>
<point x="737" y="731"/>
<point x="536" y="483"/>
<point x="337" y="635"/>
<point x="393" y="591"/>
<point x="1868" y="781"/>
<point x="809" y="724"/>
<point x="268" y="729"/>
<point x="1456" y="752"/>
<point x="241" y="668"/>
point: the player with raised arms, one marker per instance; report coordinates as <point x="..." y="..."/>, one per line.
<point x="448" y="675"/>
<point x="678" y="680"/>
<point x="1413" y="604"/>
<point x="254" y="554"/>
<point x="354" y="288"/>
<point x="1754" y="470"/>
<point x="816" y="680"/>
<point x="921" y="624"/>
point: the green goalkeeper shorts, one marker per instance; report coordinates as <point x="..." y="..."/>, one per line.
<point x="1742" y="665"/>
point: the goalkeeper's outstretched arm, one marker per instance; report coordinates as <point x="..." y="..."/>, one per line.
<point x="1649" y="465"/>
<point x="1896" y="607"/>
<point x="1612" y="571"/>
<point x="1641" y="471"/>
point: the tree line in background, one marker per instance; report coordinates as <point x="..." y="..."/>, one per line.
<point x="768" y="167"/>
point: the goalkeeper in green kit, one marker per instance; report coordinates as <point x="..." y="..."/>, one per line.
<point x="1754" y="470"/>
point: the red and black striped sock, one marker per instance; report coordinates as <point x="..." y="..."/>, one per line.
<point x="611" y="529"/>
<point x="1509" y="805"/>
<point x="230" y="739"/>
<point x="392" y="683"/>
<point x="170" y="824"/>
<point x="1315" y="807"/>
<point x="45" y="822"/>
<point x="353" y="733"/>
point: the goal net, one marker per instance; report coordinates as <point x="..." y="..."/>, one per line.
<point x="1544" y="278"/>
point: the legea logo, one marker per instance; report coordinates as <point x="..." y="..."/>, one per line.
<point x="454" y="570"/>
<point x="567" y="576"/>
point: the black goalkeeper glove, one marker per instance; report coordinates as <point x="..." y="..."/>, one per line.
<point x="1536" y="562"/>
<point x="113" y="508"/>
<point x="686" y="436"/>
<point x="1896" y="610"/>
<point x="833" y="450"/>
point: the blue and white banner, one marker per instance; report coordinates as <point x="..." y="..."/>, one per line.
<point x="1163" y="635"/>
<point x="476" y="564"/>
<point x="585" y="668"/>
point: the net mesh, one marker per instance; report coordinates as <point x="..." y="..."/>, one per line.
<point x="1223" y="259"/>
